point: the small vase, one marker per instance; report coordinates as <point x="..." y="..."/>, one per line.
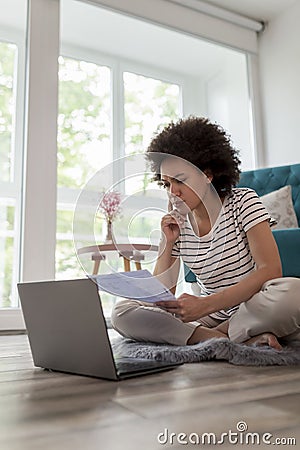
<point x="109" y="233"/>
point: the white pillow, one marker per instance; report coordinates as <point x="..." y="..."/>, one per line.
<point x="280" y="207"/>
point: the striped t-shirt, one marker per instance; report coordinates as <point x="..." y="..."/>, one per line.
<point x="222" y="257"/>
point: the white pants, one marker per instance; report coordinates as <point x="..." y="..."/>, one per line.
<point x="274" y="309"/>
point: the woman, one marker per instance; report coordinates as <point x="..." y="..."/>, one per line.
<point x="223" y="235"/>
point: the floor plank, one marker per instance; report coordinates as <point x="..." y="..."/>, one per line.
<point x="47" y="410"/>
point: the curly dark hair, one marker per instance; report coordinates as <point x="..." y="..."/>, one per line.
<point x="202" y="143"/>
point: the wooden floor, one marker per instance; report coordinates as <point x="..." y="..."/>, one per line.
<point x="42" y="410"/>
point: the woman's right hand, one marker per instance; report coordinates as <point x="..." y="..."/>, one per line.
<point x="170" y="226"/>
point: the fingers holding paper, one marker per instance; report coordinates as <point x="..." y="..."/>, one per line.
<point x="187" y="307"/>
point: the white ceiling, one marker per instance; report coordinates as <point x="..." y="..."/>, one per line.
<point x="261" y="10"/>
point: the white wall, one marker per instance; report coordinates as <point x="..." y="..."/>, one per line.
<point x="228" y="104"/>
<point x="279" y="57"/>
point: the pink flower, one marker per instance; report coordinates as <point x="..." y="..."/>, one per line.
<point x="110" y="205"/>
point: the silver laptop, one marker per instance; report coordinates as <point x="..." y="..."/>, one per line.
<point x="67" y="331"/>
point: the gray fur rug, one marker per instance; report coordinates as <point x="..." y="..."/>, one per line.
<point x="213" y="349"/>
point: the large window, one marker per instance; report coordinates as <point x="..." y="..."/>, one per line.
<point x="11" y="147"/>
<point x="148" y="104"/>
<point x="113" y="98"/>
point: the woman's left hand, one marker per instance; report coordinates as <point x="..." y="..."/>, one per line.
<point x="187" y="307"/>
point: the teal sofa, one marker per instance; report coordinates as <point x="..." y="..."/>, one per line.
<point x="267" y="180"/>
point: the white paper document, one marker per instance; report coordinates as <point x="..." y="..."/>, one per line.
<point x="138" y="285"/>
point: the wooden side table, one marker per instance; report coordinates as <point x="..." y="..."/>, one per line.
<point x="129" y="252"/>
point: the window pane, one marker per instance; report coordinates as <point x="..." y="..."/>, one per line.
<point x="7" y="210"/>
<point x="148" y="104"/>
<point x="66" y="261"/>
<point x="8" y="53"/>
<point x="83" y="121"/>
<point x="7" y="251"/>
<point x="84" y="145"/>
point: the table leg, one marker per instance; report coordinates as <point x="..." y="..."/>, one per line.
<point x="138" y="265"/>
<point x="126" y="264"/>
<point x="96" y="267"/>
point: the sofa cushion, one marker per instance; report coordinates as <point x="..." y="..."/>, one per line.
<point x="280" y="207"/>
<point x="270" y="179"/>
<point x="288" y="243"/>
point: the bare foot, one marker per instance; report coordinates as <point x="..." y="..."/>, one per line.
<point x="268" y="339"/>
